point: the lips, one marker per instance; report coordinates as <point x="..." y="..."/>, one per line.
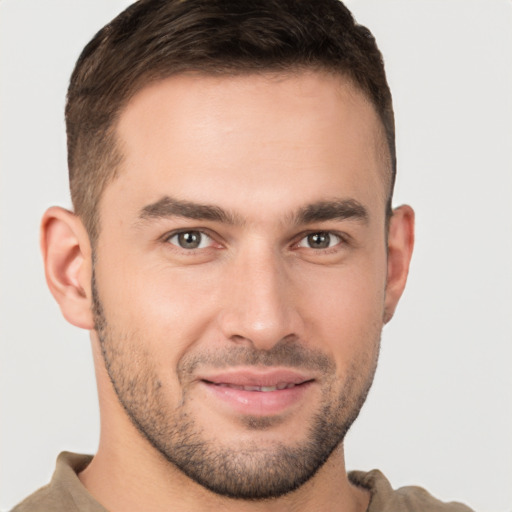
<point x="260" y="393"/>
<point x="263" y="389"/>
<point x="258" y="379"/>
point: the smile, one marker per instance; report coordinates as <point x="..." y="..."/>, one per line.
<point x="257" y="392"/>
<point x="264" y="389"/>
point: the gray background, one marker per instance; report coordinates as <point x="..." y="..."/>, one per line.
<point x="439" y="414"/>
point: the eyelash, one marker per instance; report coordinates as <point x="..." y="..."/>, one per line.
<point x="168" y="237"/>
<point x="342" y="239"/>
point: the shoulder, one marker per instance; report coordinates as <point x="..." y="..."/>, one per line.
<point x="65" y="491"/>
<point x="40" y="501"/>
<point x="405" y="499"/>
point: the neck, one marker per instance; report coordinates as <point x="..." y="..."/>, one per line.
<point x="128" y="474"/>
<point x="136" y="478"/>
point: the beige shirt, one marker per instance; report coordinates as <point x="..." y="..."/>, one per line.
<point x="65" y="493"/>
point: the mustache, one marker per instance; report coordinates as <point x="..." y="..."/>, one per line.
<point x="284" y="353"/>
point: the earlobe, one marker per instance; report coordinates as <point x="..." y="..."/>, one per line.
<point x="67" y="261"/>
<point x="400" y="246"/>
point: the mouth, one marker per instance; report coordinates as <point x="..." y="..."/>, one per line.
<point x="263" y="389"/>
<point x="257" y="393"/>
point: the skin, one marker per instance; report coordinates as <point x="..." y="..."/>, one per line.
<point x="263" y="149"/>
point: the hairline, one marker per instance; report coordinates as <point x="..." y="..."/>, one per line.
<point x="115" y="155"/>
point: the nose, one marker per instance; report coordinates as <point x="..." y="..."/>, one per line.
<point x="259" y="307"/>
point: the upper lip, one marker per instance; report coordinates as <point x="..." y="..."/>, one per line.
<point x="253" y="377"/>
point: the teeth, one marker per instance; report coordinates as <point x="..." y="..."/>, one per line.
<point x="264" y="389"/>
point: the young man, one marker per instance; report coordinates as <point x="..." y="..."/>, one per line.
<point x="233" y="253"/>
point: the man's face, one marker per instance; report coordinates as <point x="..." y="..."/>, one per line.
<point x="240" y="273"/>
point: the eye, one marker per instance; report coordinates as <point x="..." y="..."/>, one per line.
<point x="190" y="240"/>
<point x="320" y="240"/>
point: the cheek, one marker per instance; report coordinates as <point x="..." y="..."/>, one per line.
<point x="166" y="310"/>
<point x="345" y="309"/>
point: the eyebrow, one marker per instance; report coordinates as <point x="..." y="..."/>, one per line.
<point x="171" y="207"/>
<point x="339" y="209"/>
<point x="320" y="211"/>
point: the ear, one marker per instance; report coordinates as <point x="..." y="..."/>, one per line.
<point x="400" y="246"/>
<point x="68" y="266"/>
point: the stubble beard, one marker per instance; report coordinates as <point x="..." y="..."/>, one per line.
<point x="245" y="471"/>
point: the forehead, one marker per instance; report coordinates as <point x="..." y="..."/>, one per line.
<point x="240" y="139"/>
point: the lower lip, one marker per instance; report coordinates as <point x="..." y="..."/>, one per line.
<point x="258" y="403"/>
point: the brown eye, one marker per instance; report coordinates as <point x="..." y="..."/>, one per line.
<point x="190" y="240"/>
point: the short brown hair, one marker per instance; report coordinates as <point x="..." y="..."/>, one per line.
<point x="154" y="39"/>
